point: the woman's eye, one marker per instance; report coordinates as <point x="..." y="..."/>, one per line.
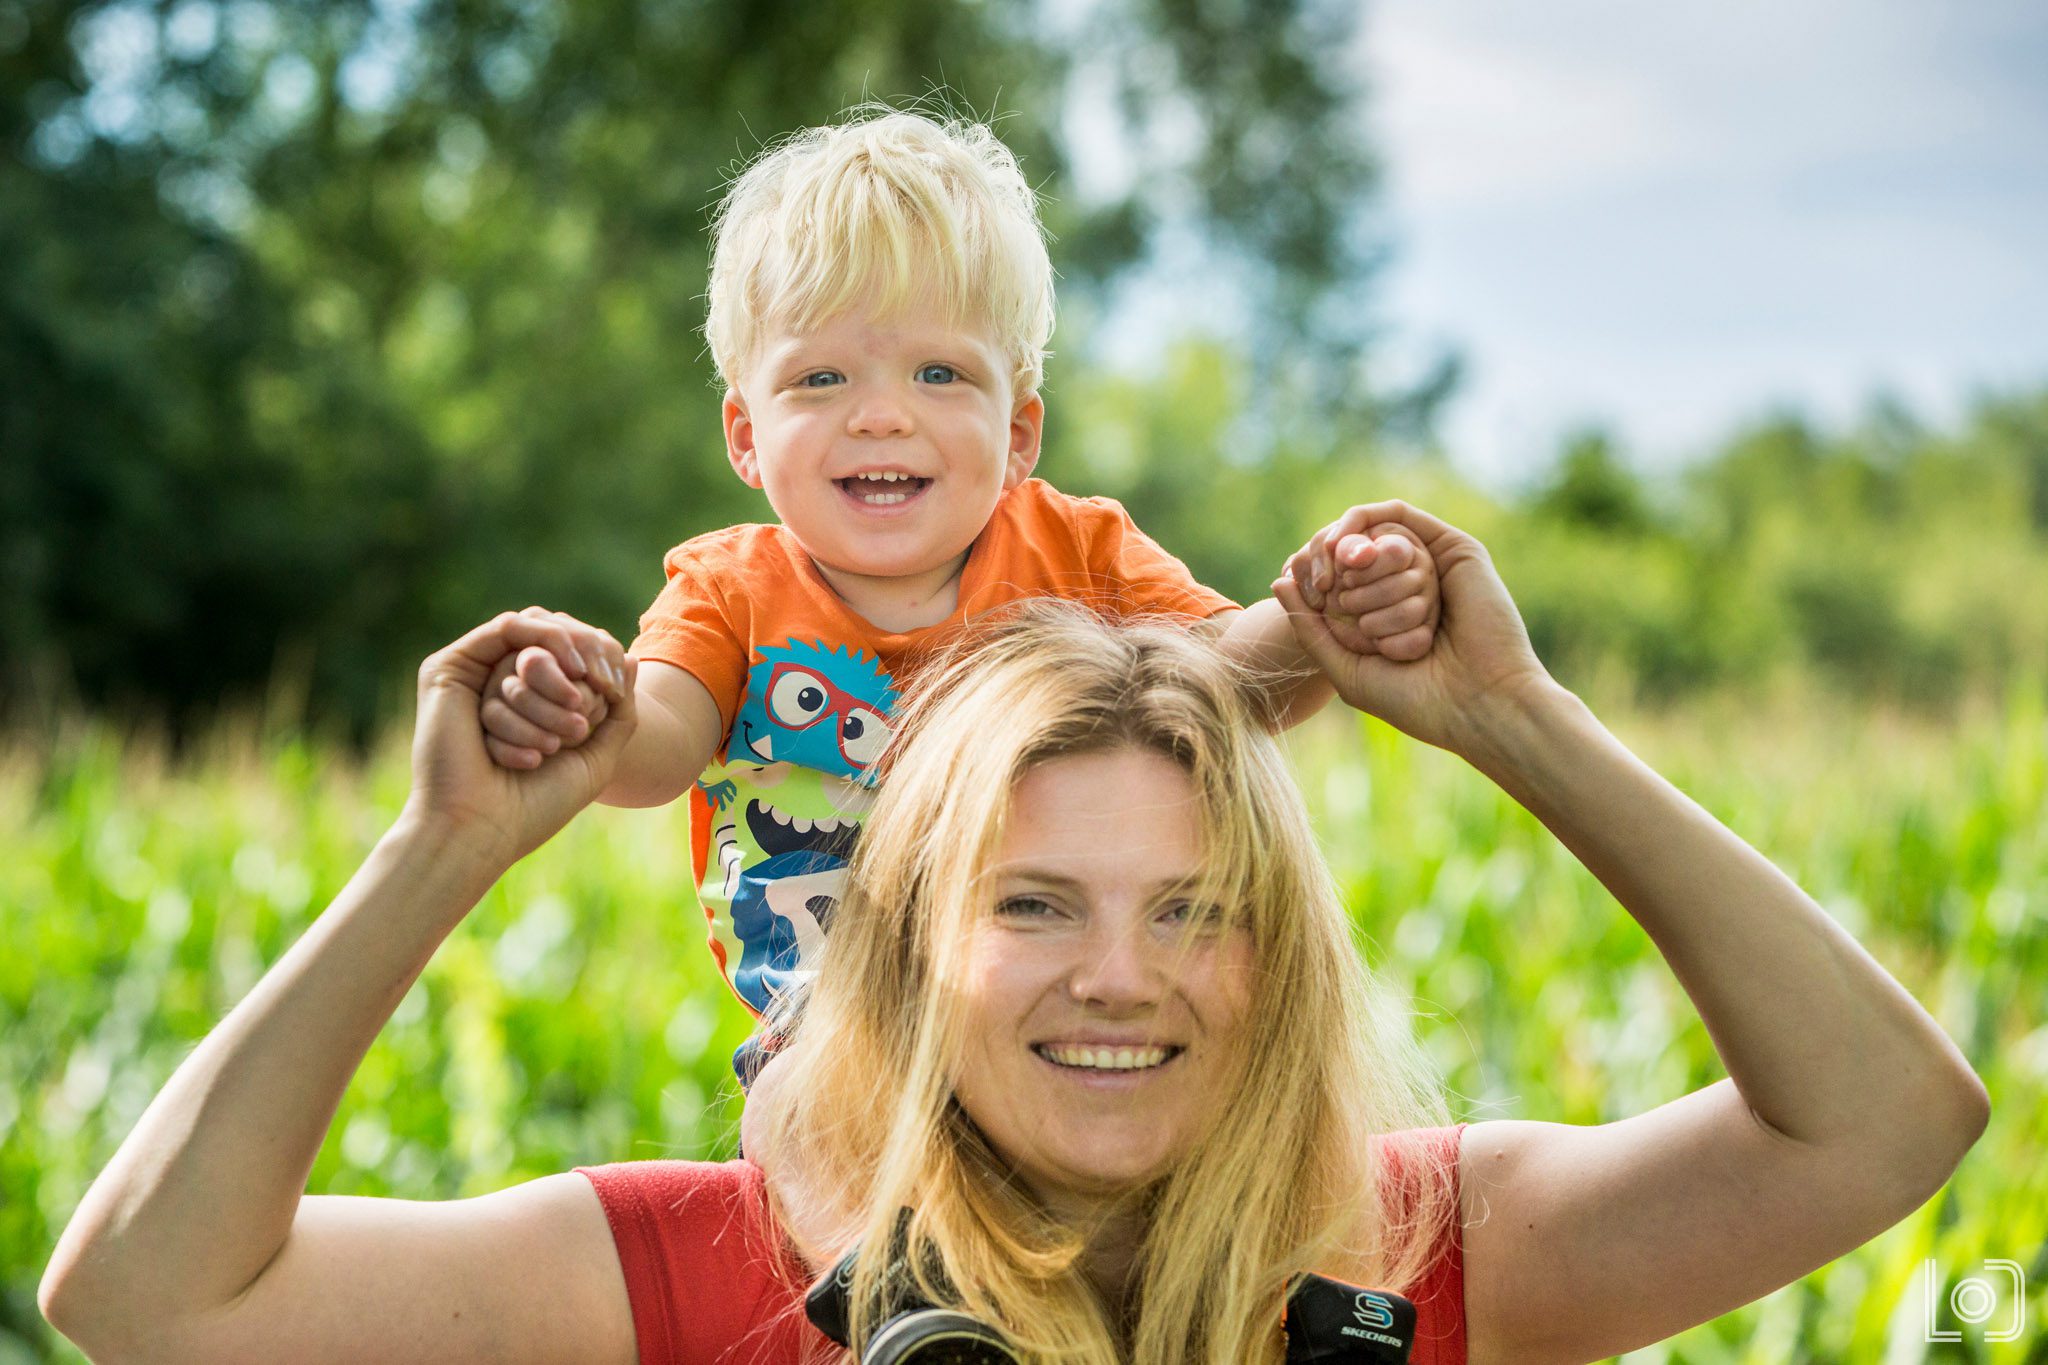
<point x="938" y="374"/>
<point x="1196" y="915"/>
<point x="1024" y="907"/>
<point x="822" y="379"/>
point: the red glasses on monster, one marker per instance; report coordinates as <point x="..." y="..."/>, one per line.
<point x="798" y="699"/>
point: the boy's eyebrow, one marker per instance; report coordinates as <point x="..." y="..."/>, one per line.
<point x="781" y="355"/>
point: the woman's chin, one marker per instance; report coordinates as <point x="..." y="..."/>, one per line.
<point x="1094" y="1173"/>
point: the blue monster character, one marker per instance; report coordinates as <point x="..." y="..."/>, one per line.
<point x="818" y="706"/>
<point x="783" y="907"/>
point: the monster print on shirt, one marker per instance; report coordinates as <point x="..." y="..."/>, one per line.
<point x="782" y="813"/>
<point x="805" y="688"/>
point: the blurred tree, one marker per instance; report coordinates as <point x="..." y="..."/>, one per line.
<point x="1594" y="487"/>
<point x="326" y="330"/>
<point x="2014" y="432"/>
<point x="331" y="328"/>
<point x="1246" y="116"/>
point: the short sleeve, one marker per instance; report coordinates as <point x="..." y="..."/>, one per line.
<point x="705" y="1276"/>
<point x="1143" y="575"/>
<point x="690" y="624"/>
<point x="1414" y="1163"/>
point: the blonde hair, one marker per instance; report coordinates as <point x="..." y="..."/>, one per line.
<point x="1284" y="1178"/>
<point x="885" y="208"/>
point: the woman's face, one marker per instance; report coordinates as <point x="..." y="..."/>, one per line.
<point x="1104" y="1003"/>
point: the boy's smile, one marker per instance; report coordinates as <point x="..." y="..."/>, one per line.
<point x="883" y="445"/>
<point x="884" y="489"/>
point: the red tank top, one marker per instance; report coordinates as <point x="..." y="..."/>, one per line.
<point x="710" y="1281"/>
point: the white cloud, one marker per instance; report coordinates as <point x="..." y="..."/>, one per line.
<point x="1478" y="123"/>
<point x="1671" y="219"/>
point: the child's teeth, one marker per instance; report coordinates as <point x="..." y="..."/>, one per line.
<point x="872" y="488"/>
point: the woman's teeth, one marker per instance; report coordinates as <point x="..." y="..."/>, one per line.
<point x="883" y="490"/>
<point x="1106" y="1058"/>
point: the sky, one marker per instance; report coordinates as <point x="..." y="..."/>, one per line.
<point x="1670" y="220"/>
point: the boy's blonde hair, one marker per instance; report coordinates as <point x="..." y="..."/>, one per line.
<point x="1283" y="1179"/>
<point x="881" y="210"/>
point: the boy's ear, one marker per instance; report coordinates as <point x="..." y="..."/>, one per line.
<point x="1027" y="429"/>
<point x="739" y="440"/>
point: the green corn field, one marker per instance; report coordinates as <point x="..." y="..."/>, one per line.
<point x="577" y="1018"/>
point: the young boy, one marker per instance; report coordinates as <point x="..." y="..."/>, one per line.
<point x="880" y="302"/>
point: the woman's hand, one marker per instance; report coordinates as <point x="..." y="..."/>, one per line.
<point x="1382" y="598"/>
<point x="1481" y="659"/>
<point x="499" y="814"/>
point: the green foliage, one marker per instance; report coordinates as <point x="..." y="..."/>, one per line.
<point x="577" y="1018"/>
<point x="1594" y="488"/>
<point x="332" y="329"/>
<point x="1889" y="560"/>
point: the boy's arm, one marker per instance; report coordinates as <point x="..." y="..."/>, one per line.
<point x="1286" y="684"/>
<point x="680" y="727"/>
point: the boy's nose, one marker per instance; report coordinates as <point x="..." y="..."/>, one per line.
<point x="879" y="415"/>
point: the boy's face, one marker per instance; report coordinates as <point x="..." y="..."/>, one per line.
<point x="882" y="443"/>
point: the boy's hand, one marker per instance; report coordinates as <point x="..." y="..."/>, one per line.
<point x="1373" y="581"/>
<point x="549" y="696"/>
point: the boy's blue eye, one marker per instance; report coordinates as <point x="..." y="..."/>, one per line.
<point x="822" y="379"/>
<point x="938" y="374"/>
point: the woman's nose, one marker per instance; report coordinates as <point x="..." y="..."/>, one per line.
<point x="1118" y="970"/>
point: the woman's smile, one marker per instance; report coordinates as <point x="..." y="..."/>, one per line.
<point x="1104" y="1015"/>
<point x="1106" y="1057"/>
<point x="1116" y="1069"/>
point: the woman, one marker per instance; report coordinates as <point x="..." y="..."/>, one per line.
<point x="1131" y="895"/>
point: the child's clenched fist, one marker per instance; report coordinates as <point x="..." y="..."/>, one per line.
<point x="546" y="697"/>
<point x="1374" y="582"/>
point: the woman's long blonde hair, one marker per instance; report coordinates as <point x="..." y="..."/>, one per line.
<point x="861" y="1116"/>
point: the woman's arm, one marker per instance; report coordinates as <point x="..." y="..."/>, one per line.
<point x="1847" y="1105"/>
<point x="195" y="1243"/>
<point x="1846" y="1108"/>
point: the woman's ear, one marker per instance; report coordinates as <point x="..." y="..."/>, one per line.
<point x="740" y="451"/>
<point x="1027" y="430"/>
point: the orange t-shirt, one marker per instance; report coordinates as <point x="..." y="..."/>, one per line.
<point x="805" y="686"/>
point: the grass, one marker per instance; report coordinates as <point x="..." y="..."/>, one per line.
<point x="575" y="1018"/>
